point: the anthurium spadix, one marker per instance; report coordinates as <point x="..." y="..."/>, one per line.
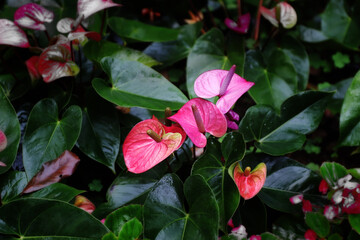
<point x="33" y="16"/>
<point x="11" y="34"/>
<point x="249" y="182"/>
<point x="89" y="7"/>
<point x="282" y="12"/>
<point x="227" y="85"/>
<point x="242" y="24"/>
<point x="147" y="144"/>
<point x="199" y="116"/>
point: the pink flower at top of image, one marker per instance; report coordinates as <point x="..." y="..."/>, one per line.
<point x="242" y="24"/>
<point x="282" y="13"/>
<point x="199" y="116"/>
<point x="310" y="235"/>
<point x="89" y="7"/>
<point x="250" y="182"/>
<point x="11" y="34"/>
<point x="33" y="16"/>
<point x="147" y="144"/>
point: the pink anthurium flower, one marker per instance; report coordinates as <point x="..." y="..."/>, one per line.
<point x="3" y="141"/>
<point x="32" y="67"/>
<point x="174" y="128"/>
<point x="227" y="85"/>
<point x="89" y="7"/>
<point x="84" y="203"/>
<point x="198" y="116"/>
<point x="12" y="35"/>
<point x="33" y="16"/>
<point x="55" y="62"/>
<point x="65" y="25"/>
<point x="282" y="12"/>
<point x="250" y="182"/>
<point x="242" y="24"/>
<point x="147" y="144"/>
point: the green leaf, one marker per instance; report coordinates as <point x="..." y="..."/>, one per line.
<point x="116" y="220"/>
<point x="340" y="60"/>
<point x="206" y="54"/>
<point x="131" y="230"/>
<point x="9" y="124"/>
<point x="109" y="236"/>
<point x="338" y="24"/>
<point x="11" y="185"/>
<point x="47" y="135"/>
<point x="332" y="172"/>
<point x="274" y="77"/>
<point x="289" y="227"/>
<point x="136" y="85"/>
<point x="278" y="135"/>
<point x="269" y="236"/>
<point x="253" y="216"/>
<point x="337" y="99"/>
<point x="48" y="219"/>
<point x="95" y="51"/>
<point x="57" y="191"/>
<point x="318" y="222"/>
<point x="311" y="35"/>
<point x="140" y="31"/>
<point x="236" y="52"/>
<point x="335" y="236"/>
<point x="355" y="172"/>
<point x="100" y="132"/>
<point x="171" y="52"/>
<point x="14" y="89"/>
<point x="233" y="147"/>
<point x="165" y="215"/>
<point x="95" y="185"/>
<point x="350" y="115"/>
<point x="354" y="220"/>
<point x="214" y="171"/>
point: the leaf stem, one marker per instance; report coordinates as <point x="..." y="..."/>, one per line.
<point x="256" y="34"/>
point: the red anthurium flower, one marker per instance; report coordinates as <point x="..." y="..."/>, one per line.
<point x="310" y="234"/>
<point x="55" y="62"/>
<point x="147" y="144"/>
<point x="174" y="128"/>
<point x="250" y="182"/>
<point x="227" y="85"/>
<point x="3" y="141"/>
<point x="242" y="24"/>
<point x="296" y="199"/>
<point x="330" y="212"/>
<point x="12" y="35"/>
<point x="306" y="207"/>
<point x="323" y="187"/>
<point x="198" y="116"/>
<point x="84" y="203"/>
<point x="89" y="7"/>
<point x="33" y="16"/>
<point x="32" y="67"/>
<point x="282" y="12"/>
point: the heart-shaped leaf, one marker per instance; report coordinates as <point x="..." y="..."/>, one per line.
<point x="11" y="34"/>
<point x="317" y="222"/>
<point x="165" y="215"/>
<point x="277" y="135"/>
<point x="12" y="184"/>
<point x="136" y="85"/>
<point x="47" y="135"/>
<point x="132" y="229"/>
<point x="10" y="128"/>
<point x="233" y="147"/>
<point x="53" y="171"/>
<point x="56" y="191"/>
<point x="354" y="220"/>
<point x="89" y="7"/>
<point x="33" y="16"/>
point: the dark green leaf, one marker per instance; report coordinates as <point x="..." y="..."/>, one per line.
<point x="335" y="236"/>
<point x="278" y="135"/>
<point x="311" y="35"/>
<point x="57" y="191"/>
<point x="109" y="236"/>
<point x="269" y="236"/>
<point x="9" y="125"/>
<point x="47" y="135"/>
<point x="131" y="230"/>
<point x="253" y="216"/>
<point x="11" y="185"/>
<point x="140" y="31"/>
<point x="136" y="85"/>
<point x="332" y="172"/>
<point x="337" y="99"/>
<point x="233" y="147"/>
<point x="318" y="222"/>
<point x="354" y="220"/>
<point x="289" y="227"/>
<point x="236" y="52"/>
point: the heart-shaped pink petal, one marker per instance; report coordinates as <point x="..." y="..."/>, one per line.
<point x="174" y="128"/>
<point x="12" y="35"/>
<point x="208" y="85"/>
<point x="32" y="67"/>
<point x="89" y="7"/>
<point x="250" y="183"/>
<point x="3" y="141"/>
<point x="241" y="26"/>
<point x="33" y="16"/>
<point x="270" y="15"/>
<point x="214" y="121"/>
<point x="141" y="152"/>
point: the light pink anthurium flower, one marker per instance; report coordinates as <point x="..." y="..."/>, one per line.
<point x="242" y="24"/>
<point x="89" y="7"/>
<point x="250" y="182"/>
<point x="147" y="144"/>
<point x="12" y="35"/>
<point x="282" y="12"/>
<point x="227" y="85"/>
<point x="79" y="34"/>
<point x="198" y="116"/>
<point x="33" y="16"/>
<point x="3" y="141"/>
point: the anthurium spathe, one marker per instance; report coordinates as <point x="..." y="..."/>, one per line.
<point x="147" y="144"/>
<point x="32" y="67"/>
<point x="173" y="128"/>
<point x="242" y="24"/>
<point x="199" y="116"/>
<point x="79" y="34"/>
<point x="89" y="7"/>
<point x="3" y="141"/>
<point x="227" y="85"/>
<point x="250" y="182"/>
<point x="84" y="203"/>
<point x="55" y="62"/>
<point x="11" y="34"/>
<point x="33" y="16"/>
<point x="282" y="12"/>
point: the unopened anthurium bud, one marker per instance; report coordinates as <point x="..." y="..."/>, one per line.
<point x="84" y="203"/>
<point x="3" y="141"/>
<point x="287" y="15"/>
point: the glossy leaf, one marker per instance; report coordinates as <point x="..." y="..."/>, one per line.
<point x="166" y="202"/>
<point x="48" y="135"/>
<point x="233" y="147"/>
<point x="311" y="35"/>
<point x="318" y="223"/>
<point x="56" y="191"/>
<point x="214" y="171"/>
<point x="33" y="16"/>
<point x="131" y="230"/>
<point x="11" y="34"/>
<point x="11" y="185"/>
<point x="9" y="126"/>
<point x="97" y="50"/>
<point x="277" y="135"/>
<point x="28" y="218"/>
<point x="354" y="220"/>
<point x="140" y="31"/>
<point x="89" y="7"/>
<point x="350" y="115"/>
<point x="136" y="85"/>
<point x="332" y="172"/>
<point x="100" y="132"/>
<point x="253" y="215"/>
